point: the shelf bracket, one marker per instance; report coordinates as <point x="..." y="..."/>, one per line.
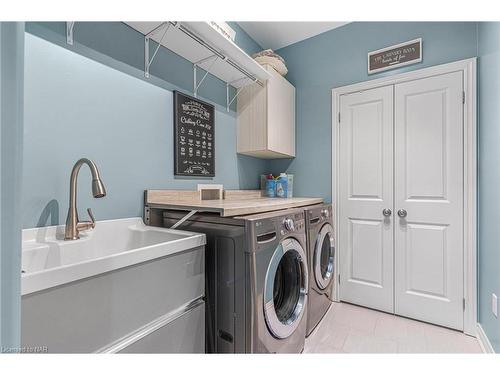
<point x="69" y="32"/>
<point x="196" y="85"/>
<point x="184" y="218"/>
<point x="238" y="91"/>
<point x="147" y="37"/>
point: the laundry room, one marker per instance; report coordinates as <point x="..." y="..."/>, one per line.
<point x="315" y="184"/>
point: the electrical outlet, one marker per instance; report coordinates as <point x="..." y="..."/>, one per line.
<point x="494" y="304"/>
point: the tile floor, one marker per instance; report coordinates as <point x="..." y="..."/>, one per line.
<point x="352" y="329"/>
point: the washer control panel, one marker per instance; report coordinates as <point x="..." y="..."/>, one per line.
<point x="289" y="224"/>
<point x="292" y="223"/>
<point x="267" y="230"/>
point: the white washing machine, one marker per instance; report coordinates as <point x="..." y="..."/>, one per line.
<point x="321" y="258"/>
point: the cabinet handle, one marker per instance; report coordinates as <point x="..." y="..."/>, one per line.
<point x="386" y="212"/>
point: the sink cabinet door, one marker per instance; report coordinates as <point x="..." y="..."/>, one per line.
<point x="186" y="334"/>
<point x="88" y="315"/>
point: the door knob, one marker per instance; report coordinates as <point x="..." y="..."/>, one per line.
<point x="402" y="213"/>
<point x="386" y="212"/>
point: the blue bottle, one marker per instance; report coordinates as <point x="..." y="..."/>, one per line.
<point x="270" y="186"/>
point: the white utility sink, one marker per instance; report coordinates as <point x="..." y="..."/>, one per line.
<point x="48" y="260"/>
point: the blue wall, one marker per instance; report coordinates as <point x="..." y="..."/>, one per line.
<point x="337" y="58"/>
<point x="113" y="43"/>
<point x="11" y="140"/>
<point x="489" y="176"/>
<point x="92" y="100"/>
<point x="243" y="40"/>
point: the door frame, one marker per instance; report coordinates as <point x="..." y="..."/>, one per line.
<point x="468" y="69"/>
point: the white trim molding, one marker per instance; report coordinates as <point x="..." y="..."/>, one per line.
<point x="484" y="342"/>
<point x="468" y="69"/>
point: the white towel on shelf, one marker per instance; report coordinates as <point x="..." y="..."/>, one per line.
<point x="268" y="56"/>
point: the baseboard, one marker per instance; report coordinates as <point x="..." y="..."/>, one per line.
<point x="483" y="340"/>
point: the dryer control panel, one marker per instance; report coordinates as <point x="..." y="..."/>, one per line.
<point x="317" y="215"/>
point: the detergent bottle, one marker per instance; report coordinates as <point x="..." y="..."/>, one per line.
<point x="282" y="186"/>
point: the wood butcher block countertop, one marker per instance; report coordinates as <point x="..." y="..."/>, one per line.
<point x="235" y="202"/>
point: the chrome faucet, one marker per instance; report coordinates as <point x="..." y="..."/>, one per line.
<point x="73" y="225"/>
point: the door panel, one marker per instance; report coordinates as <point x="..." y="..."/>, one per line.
<point x="425" y="145"/>
<point x="428" y="182"/>
<point x="366" y="153"/>
<point x="426" y="246"/>
<point x="365" y="189"/>
<point x="367" y="252"/>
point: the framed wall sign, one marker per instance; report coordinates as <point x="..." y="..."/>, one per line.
<point x="194" y="137"/>
<point x="395" y="56"/>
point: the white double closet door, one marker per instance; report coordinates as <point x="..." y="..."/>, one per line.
<point x="401" y="199"/>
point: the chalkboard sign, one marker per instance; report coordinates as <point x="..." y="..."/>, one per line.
<point x="194" y="137"/>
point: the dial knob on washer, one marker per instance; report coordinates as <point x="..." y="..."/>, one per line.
<point x="325" y="213"/>
<point x="289" y="224"/>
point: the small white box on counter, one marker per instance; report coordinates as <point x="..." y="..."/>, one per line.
<point x="210" y="191"/>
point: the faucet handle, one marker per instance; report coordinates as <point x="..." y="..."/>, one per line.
<point x="86" y="225"/>
<point x="92" y="218"/>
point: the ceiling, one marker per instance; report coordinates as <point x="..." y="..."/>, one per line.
<point x="275" y="35"/>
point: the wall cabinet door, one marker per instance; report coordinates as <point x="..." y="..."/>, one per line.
<point x="401" y="149"/>
<point x="266" y="119"/>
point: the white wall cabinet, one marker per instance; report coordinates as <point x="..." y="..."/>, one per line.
<point x="266" y="118"/>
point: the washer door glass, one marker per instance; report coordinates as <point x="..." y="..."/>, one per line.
<point x="285" y="290"/>
<point x="324" y="256"/>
